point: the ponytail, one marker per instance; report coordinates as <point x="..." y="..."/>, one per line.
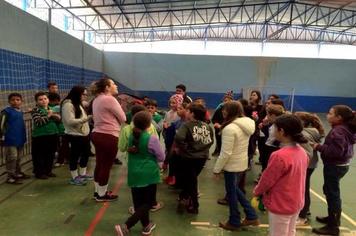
<point x="292" y="126"/>
<point x="136" y="133"/>
<point x="311" y="120"/>
<point x="299" y="138"/>
<point x="142" y="121"/>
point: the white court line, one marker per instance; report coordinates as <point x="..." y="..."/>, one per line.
<point x="348" y="218"/>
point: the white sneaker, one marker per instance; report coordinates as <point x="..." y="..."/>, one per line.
<point x="302" y="222"/>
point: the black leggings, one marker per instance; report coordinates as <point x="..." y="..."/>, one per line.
<point x="79" y="150"/>
<point x="142" y="198"/>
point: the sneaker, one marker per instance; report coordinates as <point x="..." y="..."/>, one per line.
<point x="57" y="164"/>
<point x="122" y="230"/>
<point x="148" y="229"/>
<point x="86" y="177"/>
<point x="222" y="201"/>
<point x="12" y="180"/>
<point x="226" y="225"/>
<point x="247" y="222"/>
<point x="22" y="175"/>
<point x="77" y="181"/>
<point x="157" y="207"/>
<point x="131" y="210"/>
<point x="302" y="222"/>
<point x="171" y="180"/>
<point x="108" y="197"/>
<point x="95" y="195"/>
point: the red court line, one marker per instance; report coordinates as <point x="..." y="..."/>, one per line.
<point x="99" y="215"/>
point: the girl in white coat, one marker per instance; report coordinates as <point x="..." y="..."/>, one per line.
<point x="233" y="160"/>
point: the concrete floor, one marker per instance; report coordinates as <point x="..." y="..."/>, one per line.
<point x="53" y="207"/>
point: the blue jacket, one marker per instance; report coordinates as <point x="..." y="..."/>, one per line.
<point x="14" y="127"/>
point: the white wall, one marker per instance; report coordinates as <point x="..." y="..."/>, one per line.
<point x="217" y="74"/>
<point x="23" y="33"/>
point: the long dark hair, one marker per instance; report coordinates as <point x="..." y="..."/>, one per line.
<point x="292" y="127"/>
<point x="348" y="116"/>
<point x="258" y="93"/>
<point x="142" y="120"/>
<point x="311" y="120"/>
<point x="75" y="95"/>
<point x="234" y="110"/>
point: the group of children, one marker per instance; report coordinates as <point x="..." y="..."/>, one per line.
<point x="288" y="146"/>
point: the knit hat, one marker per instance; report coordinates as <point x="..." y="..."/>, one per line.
<point x="178" y="98"/>
<point x="229" y="94"/>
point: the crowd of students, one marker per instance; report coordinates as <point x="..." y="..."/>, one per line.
<point x="288" y="146"/>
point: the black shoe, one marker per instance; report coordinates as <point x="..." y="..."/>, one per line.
<point x="51" y="175"/>
<point x="322" y="219"/>
<point x="215" y="153"/>
<point x="222" y="201"/>
<point x="41" y="176"/>
<point x="117" y="162"/>
<point x="327" y="230"/>
<point x="192" y="210"/>
<point x="108" y="197"/>
<point x="181" y="206"/>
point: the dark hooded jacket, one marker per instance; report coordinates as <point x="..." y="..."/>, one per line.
<point x="338" y="146"/>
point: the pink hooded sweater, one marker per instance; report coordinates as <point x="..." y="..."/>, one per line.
<point x="282" y="184"/>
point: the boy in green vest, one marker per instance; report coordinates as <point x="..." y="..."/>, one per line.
<point x="44" y="137"/>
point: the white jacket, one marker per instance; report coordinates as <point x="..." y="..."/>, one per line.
<point x="235" y="139"/>
<point x="72" y="125"/>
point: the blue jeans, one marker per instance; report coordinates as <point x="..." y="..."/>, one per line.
<point x="235" y="195"/>
<point x="331" y="188"/>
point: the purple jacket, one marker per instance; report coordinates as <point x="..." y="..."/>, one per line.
<point x="338" y="146"/>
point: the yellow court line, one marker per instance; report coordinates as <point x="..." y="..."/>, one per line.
<point x="348" y="218"/>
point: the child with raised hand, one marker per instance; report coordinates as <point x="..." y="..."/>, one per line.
<point x="282" y="183"/>
<point x="218" y="119"/>
<point x="143" y="173"/>
<point x="193" y="140"/>
<point x="13" y="137"/>
<point x="171" y="116"/>
<point x="173" y="156"/>
<point x="313" y="131"/>
<point x="44" y="131"/>
<point x="271" y="144"/>
<point x="336" y="153"/>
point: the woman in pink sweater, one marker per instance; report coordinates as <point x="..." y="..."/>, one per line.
<point x="108" y="117"/>
<point x="282" y="184"/>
